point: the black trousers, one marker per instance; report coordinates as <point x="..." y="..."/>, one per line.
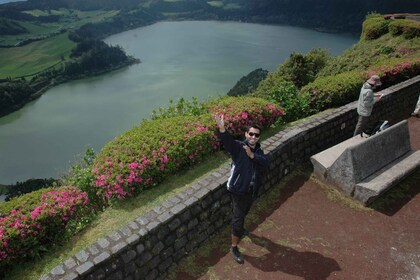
<point x="240" y="208"/>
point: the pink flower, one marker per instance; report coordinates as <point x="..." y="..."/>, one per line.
<point x="36" y="212"/>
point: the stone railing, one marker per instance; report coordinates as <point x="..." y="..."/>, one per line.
<point x="150" y="246"/>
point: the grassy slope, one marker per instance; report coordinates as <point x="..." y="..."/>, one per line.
<point x="34" y="57"/>
<point x="39" y="55"/>
<point x="366" y="53"/>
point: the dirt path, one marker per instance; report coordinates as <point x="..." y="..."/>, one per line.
<point x="306" y="230"/>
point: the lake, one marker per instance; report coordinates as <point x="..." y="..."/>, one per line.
<point x="179" y="59"/>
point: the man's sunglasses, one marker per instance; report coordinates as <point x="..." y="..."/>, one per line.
<point x="257" y="135"/>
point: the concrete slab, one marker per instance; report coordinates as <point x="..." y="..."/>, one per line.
<point x="379" y="182"/>
<point x="353" y="161"/>
<point x="323" y="161"/>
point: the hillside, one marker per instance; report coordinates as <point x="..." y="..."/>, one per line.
<point x="388" y="47"/>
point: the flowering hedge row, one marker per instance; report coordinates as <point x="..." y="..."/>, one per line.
<point x="146" y="154"/>
<point x="394" y="71"/>
<point x="32" y="222"/>
<point x="239" y="112"/>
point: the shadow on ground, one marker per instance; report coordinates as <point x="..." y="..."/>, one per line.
<point x="308" y="265"/>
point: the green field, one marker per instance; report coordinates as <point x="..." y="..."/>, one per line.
<point x="37" y="56"/>
<point x="70" y="19"/>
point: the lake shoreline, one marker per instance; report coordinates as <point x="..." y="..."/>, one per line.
<point x="58" y="80"/>
<point x="178" y="59"/>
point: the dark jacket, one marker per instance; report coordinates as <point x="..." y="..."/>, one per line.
<point x="243" y="167"/>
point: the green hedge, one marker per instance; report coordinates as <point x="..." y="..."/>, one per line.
<point x="407" y="28"/>
<point x="333" y="91"/>
<point x="374" y="27"/>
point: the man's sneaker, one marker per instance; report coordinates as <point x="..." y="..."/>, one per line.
<point x="237" y="256"/>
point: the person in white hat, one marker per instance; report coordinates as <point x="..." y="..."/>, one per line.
<point x="366" y="102"/>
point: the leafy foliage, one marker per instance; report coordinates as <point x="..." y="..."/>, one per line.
<point x="374" y="27"/>
<point x="181" y="108"/>
<point x="302" y="69"/>
<point x="286" y="95"/>
<point x="407" y="28"/>
<point x="333" y="91"/>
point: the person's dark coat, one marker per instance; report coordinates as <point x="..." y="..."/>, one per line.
<point x="244" y="170"/>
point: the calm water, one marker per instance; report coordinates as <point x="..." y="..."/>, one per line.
<point x="201" y="59"/>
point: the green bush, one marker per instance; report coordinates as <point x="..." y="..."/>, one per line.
<point x="25" y="202"/>
<point x="273" y="79"/>
<point x="374" y="27"/>
<point x="408" y="28"/>
<point x="181" y="108"/>
<point x="286" y="95"/>
<point x="333" y="91"/>
<point x="298" y="68"/>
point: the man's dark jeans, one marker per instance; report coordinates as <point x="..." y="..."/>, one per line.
<point x="240" y="208"/>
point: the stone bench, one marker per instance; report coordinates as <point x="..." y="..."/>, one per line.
<point x="363" y="168"/>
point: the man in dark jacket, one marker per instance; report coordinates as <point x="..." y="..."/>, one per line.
<point x="248" y="165"/>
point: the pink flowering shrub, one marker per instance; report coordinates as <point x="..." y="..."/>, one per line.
<point x="146" y="154"/>
<point x="239" y="112"/>
<point x="31" y="223"/>
<point x="394" y="71"/>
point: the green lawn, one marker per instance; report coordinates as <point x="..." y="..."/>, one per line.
<point x="37" y="56"/>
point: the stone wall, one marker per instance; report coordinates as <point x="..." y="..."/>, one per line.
<point x="150" y="246"/>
